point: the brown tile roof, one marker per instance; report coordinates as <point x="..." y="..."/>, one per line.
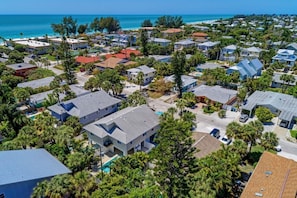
<point x="199" y="34"/>
<point x="273" y="177"/>
<point x="172" y="31"/>
<point x="111" y="62"/>
<point x="85" y="60"/>
<point x="205" y="144"/>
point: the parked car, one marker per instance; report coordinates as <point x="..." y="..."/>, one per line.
<point x="225" y="140"/>
<point x="215" y="133"/>
<point x="243" y="118"/>
<point x="284" y="123"/>
<point x="278" y="148"/>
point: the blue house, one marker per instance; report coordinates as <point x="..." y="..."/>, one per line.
<point x="285" y="56"/>
<point x="87" y="108"/>
<point x="247" y="69"/>
<point x="21" y="170"/>
<point x="228" y="53"/>
<point x="188" y="82"/>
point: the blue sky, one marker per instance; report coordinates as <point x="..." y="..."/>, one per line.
<point x="149" y="7"/>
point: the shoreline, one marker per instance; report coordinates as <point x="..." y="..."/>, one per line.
<point x="51" y="34"/>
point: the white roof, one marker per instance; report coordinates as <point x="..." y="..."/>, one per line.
<point x="33" y="43"/>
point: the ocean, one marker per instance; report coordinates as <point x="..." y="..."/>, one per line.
<point x="26" y="26"/>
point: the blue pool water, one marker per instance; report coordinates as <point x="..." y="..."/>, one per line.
<point x="159" y="113"/>
<point x="106" y="167"/>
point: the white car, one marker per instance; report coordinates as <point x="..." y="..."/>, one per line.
<point x="278" y="148"/>
<point x="225" y="140"/>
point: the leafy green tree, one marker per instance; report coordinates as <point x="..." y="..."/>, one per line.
<point x="146" y="23"/>
<point x="84" y="184"/>
<point x="190" y="98"/>
<point x="222" y="113"/>
<point x="82" y="28"/>
<point x="22" y="94"/>
<point x="15" y="57"/>
<point x="68" y="62"/>
<point x="111" y="24"/>
<point x="97" y="24"/>
<point x="74" y="123"/>
<point x="287" y="79"/>
<point x="173" y="157"/>
<point x="169" y="21"/>
<point x="67" y="27"/>
<point x="269" y="140"/>
<point x="144" y="42"/>
<point x="133" y="100"/>
<point x="64" y="135"/>
<point x="264" y="114"/>
<point x="27" y="136"/>
<point x="181" y="105"/>
<point x="178" y="61"/>
<point x="140" y="79"/>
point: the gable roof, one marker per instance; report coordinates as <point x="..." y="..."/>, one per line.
<point x="205" y="144"/>
<point x="125" y="125"/>
<point x="215" y="93"/>
<point x="287" y="104"/>
<point x="143" y="68"/>
<point x="37" y="83"/>
<point x="86" y="60"/>
<point x="248" y="68"/>
<point x="292" y="45"/>
<point x="20" y="66"/>
<point x="199" y="34"/>
<point x="85" y="104"/>
<point x="274" y="176"/>
<point x="24" y="165"/>
<point x="159" y="40"/>
<point x="111" y="62"/>
<point x="230" y="47"/>
<point x="187" y="80"/>
<point x="172" y="30"/>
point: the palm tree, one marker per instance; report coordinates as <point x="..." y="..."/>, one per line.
<point x="40" y="189"/>
<point x="64" y="135"/>
<point x="140" y="79"/>
<point x="181" y="104"/>
<point x="269" y="140"/>
<point x="27" y="136"/>
<point x="233" y="130"/>
<point x="83" y="183"/>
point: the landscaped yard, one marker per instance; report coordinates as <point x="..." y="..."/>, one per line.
<point x="49" y="57"/>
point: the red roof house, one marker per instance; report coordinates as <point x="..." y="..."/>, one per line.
<point x="86" y="60"/>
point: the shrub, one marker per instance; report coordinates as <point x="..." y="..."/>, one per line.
<point x="294" y="133"/>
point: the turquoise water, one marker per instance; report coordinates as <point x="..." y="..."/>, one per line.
<point x="159" y="113"/>
<point x="25" y="26"/>
<point x="106" y="167"/>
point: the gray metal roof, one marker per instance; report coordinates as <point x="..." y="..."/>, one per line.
<point x="86" y="104"/>
<point x="37" y="83"/>
<point x="143" y="68"/>
<point x="24" y="165"/>
<point x="159" y="40"/>
<point x="230" y="47"/>
<point x="20" y="66"/>
<point x="185" y="42"/>
<point x="276" y="78"/>
<point x="126" y="124"/>
<point x="215" y="93"/>
<point x="209" y="66"/>
<point x="287" y="104"/>
<point x="187" y="80"/>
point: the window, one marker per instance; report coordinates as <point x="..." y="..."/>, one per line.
<point x="144" y="134"/>
<point x="119" y="142"/>
<point x="106" y="109"/>
<point x="131" y="142"/>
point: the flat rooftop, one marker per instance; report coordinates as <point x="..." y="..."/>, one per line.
<point x="33" y="43"/>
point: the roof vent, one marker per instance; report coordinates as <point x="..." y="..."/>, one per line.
<point x="267" y="173"/>
<point x="259" y="194"/>
<point x="19" y="65"/>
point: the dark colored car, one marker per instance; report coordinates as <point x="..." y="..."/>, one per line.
<point x="215" y="133"/>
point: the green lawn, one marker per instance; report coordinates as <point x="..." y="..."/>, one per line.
<point x="293" y="133"/>
<point x="49" y="57"/>
<point x="60" y="67"/>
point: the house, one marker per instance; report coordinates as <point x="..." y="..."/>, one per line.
<point x="247" y="68"/>
<point x="161" y="58"/>
<point x="127" y="131"/>
<point x="205" y="144"/>
<point x="184" y="44"/>
<point x="200" y="37"/>
<point x="21" y="170"/>
<point x="83" y="60"/>
<point x="34" y="84"/>
<point x="206" y="46"/>
<point x="149" y="30"/>
<point x="251" y="52"/>
<point x="228" y="53"/>
<point x="22" y="69"/>
<point x="274" y="176"/>
<point x="74" y="44"/>
<point x="124" y="54"/>
<point x="112" y="62"/>
<point x="277" y="82"/>
<point x="188" y="82"/>
<point x="160" y="41"/>
<point x="292" y="46"/>
<point x="121" y="40"/>
<point x="172" y="32"/>
<point x="215" y="94"/>
<point x="148" y="73"/>
<point x="87" y="108"/>
<point x="282" y="105"/>
<point x="37" y="100"/>
<point x="36" y="47"/>
<point x="285" y="56"/>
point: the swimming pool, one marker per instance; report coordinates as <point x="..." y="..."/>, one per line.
<point x="159" y="113"/>
<point x="106" y="166"/>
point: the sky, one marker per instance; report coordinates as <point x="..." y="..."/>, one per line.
<point x="106" y="7"/>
